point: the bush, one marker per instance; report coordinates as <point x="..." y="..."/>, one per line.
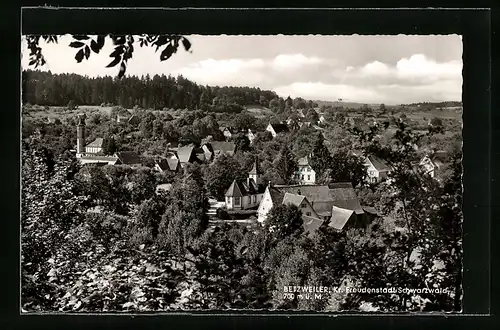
<point x="223" y="214"/>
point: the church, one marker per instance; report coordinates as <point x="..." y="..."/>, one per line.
<point x="246" y="193"/>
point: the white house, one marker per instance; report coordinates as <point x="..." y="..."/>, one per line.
<point x="305" y="174"/>
<point x="250" y="135"/>
<point x="95" y="146"/>
<point x="377" y="169"/>
<point x="247" y="193"/>
<point x="431" y="164"/>
<point x="276" y="129"/>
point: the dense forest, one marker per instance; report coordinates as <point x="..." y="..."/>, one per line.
<point x="157" y="92"/>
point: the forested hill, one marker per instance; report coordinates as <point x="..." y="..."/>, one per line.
<point x="157" y="92"/>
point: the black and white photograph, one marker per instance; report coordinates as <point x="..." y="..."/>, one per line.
<point x="169" y="173"/>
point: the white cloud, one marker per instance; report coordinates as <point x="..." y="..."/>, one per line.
<point x="290" y="61"/>
<point x="375" y="68"/>
<point x="419" y="65"/>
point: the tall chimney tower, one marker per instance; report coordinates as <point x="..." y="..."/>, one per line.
<point x="80" y="135"/>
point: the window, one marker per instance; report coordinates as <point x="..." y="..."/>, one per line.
<point x="308" y="214"/>
<point x="302" y="177"/>
<point x="254" y="199"/>
<point x="308" y="177"/>
<point x="303" y="205"/>
<point x="237" y="200"/>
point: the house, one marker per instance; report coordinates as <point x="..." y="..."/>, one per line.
<point x="322" y="119"/>
<point x="321" y="197"/>
<point x="122" y="118"/>
<point x="164" y="187"/>
<point x="129" y="158"/>
<point x="336" y="204"/>
<point x="98" y="159"/>
<point x="228" y="132"/>
<point x="276" y="129"/>
<point x="305" y="174"/>
<point x="250" y="135"/>
<point x="247" y="193"/>
<point x="95" y="147"/>
<point x="168" y="164"/>
<point x="377" y="169"/>
<point x="215" y="148"/>
<point x="186" y="155"/>
<point x="432" y="163"/>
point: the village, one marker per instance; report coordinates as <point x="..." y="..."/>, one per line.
<point x="248" y="201"/>
<point x="229" y="173"/>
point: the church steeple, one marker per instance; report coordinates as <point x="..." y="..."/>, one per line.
<point x="80" y="135"/>
<point x="255" y="173"/>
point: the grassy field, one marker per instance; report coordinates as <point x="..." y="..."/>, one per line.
<point x="258" y="111"/>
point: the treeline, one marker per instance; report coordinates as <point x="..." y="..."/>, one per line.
<point x="157" y="92"/>
<point x="438" y="104"/>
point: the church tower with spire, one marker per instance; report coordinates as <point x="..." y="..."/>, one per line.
<point x="255" y="173"/>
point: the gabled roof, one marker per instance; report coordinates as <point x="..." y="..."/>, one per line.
<point x="311" y="224"/>
<point x="234" y="190"/>
<point x="279" y="128"/>
<point x="378" y="163"/>
<point x="184" y="154"/>
<point x="340" y="217"/>
<point x="97" y="143"/>
<point x="244" y="187"/>
<point x="128" y="157"/>
<point x="323" y="197"/>
<point x="293" y="199"/>
<point x="276" y="195"/>
<point x="304" y="161"/>
<point x="223" y="147"/>
<point x="312" y="192"/>
<point x="168" y="164"/>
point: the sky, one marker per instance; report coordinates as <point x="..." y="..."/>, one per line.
<point x="367" y="69"/>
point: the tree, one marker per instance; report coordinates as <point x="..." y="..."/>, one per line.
<point x="220" y="174"/>
<point x="244" y="121"/>
<point x="242" y="143"/>
<point x="345" y="167"/>
<point x="285" y="164"/>
<point x="436" y="125"/>
<point x="143" y="185"/>
<point x="312" y="116"/>
<point x="321" y="158"/>
<point x="124" y="47"/>
<point x="147" y="124"/>
<point x="284" y="220"/>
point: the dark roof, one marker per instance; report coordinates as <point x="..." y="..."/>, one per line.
<point x="223" y="147"/>
<point x="168" y="164"/>
<point x="279" y="128"/>
<point x="311" y="224"/>
<point x="378" y="163"/>
<point x="340" y="217"/>
<point x="244" y="187"/>
<point x="276" y="195"/>
<point x="97" y="143"/>
<point x="128" y="157"/>
<point x="323" y="198"/>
